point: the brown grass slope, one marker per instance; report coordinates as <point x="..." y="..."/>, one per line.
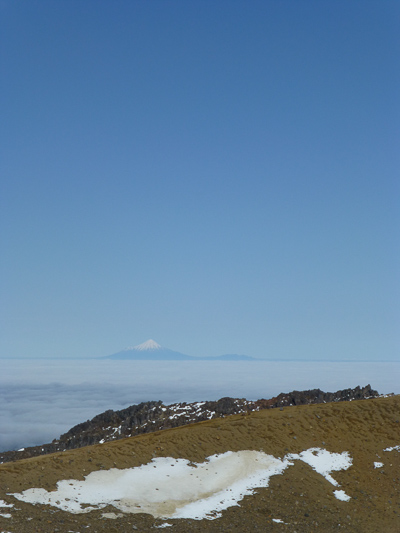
<point x="300" y="497"/>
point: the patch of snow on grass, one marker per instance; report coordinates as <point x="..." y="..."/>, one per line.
<point x="5" y="504"/>
<point x="393" y="448"/>
<point x="188" y="490"/>
<point x="341" y="495"/>
<point x="194" y="491"/>
<point x="324" y="462"/>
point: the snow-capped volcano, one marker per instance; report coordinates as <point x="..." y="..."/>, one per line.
<point x="149" y="345"/>
<point x="150" y="351"/>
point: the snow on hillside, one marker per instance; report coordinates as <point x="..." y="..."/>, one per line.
<point x="176" y="488"/>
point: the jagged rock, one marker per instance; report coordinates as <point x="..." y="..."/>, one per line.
<point x="318" y="396"/>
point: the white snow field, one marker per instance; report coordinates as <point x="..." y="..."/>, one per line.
<point x="176" y="488"/>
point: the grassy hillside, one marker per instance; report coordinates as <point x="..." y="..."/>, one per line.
<point x="300" y="497"/>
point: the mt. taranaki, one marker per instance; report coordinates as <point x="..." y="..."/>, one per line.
<point x="152" y="351"/>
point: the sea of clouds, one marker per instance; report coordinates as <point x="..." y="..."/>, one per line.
<point x="41" y="399"/>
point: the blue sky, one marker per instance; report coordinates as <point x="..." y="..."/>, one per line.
<point x="222" y="177"/>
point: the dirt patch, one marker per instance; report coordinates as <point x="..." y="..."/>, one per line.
<point x="301" y="498"/>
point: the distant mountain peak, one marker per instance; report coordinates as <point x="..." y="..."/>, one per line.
<point x="147" y="346"/>
<point x="152" y="351"/>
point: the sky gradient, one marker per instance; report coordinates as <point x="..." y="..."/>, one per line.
<point x="222" y="177"/>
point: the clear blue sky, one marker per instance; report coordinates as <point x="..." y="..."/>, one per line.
<point x="222" y="177"/>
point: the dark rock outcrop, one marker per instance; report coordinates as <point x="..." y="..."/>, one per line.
<point x="318" y="396"/>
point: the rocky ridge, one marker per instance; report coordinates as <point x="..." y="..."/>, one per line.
<point x="148" y="417"/>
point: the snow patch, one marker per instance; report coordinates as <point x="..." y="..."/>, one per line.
<point x="187" y="490"/>
<point x="5" y="504"/>
<point x="324" y="462"/>
<point x="341" y="495"/>
<point x="178" y="488"/>
<point x="393" y="448"/>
